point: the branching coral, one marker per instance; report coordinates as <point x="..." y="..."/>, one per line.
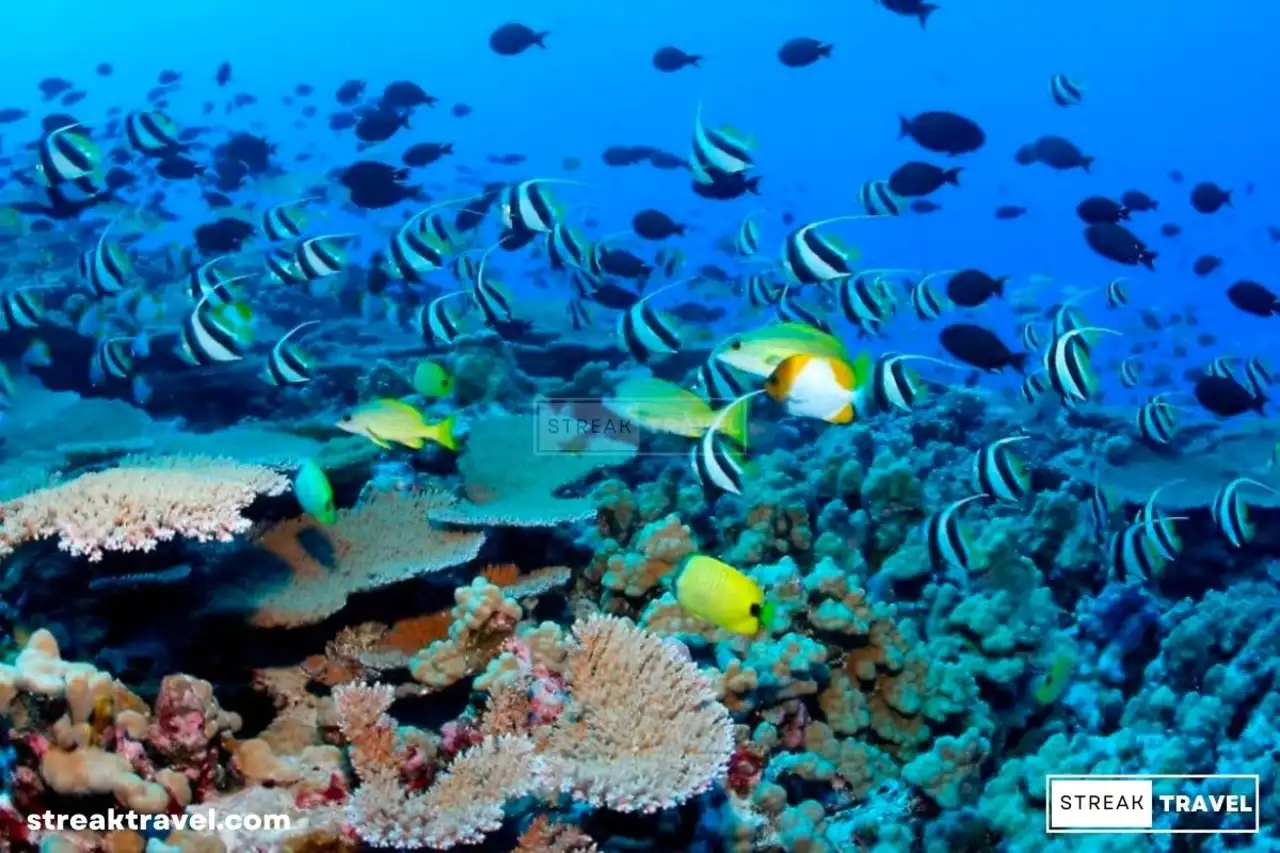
<point x="384" y="541"/>
<point x="135" y="507"/>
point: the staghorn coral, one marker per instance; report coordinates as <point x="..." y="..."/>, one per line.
<point x="513" y="465"/>
<point x="138" y="505"/>
<point x="384" y="541"/>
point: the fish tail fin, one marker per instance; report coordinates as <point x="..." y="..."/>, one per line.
<point x="952" y="176"/>
<point x="1085" y="163"/>
<point x="538" y="37"/>
<point x="734" y="425"/>
<point x="1155" y="205"/>
<point x="1148" y="259"/>
<point x="926" y="9"/>
<point x="1123" y="213"/>
<point x="1259" y="404"/>
<point x="904" y="123"/>
<point x="693" y="60"/>
<point x="825" y="50"/>
<point x="768" y="612"/>
<point x="1000" y="283"/>
<point x="1019" y="362"/>
<point x="442" y="433"/>
<point x="753" y="185"/>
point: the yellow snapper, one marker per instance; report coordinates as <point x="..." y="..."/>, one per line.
<point x="663" y="406"/>
<point x="389" y="420"/>
<point x="760" y="351"/>
<point x="720" y="594"/>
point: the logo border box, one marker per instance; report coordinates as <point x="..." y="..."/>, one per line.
<point x="1257" y="800"/>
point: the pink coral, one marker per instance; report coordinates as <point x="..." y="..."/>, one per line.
<point x="137" y="506"/>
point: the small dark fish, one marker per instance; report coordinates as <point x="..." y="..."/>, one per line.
<point x="1171" y="229"/>
<point x="52" y="87"/>
<point x="303" y="157"/>
<point x="728" y="187"/>
<point x="405" y="95"/>
<point x="924" y="205"/>
<point x="349" y="92"/>
<point x="571" y="164"/>
<point x="380" y="125"/>
<point x="711" y="272"/>
<point x="342" y="121"/>
<point x="673" y="59"/>
<point x="506" y="159"/>
<point x="1208" y="197"/>
<point x="9" y="115"/>
<point x="513" y="39"/>
<point x="918" y="9"/>
<point x="655" y="225"/>
<point x="1254" y="298"/>
<point x="1175" y="176"/>
<point x="426" y="153"/>
<point x="303" y="90"/>
<point x="979" y="347"/>
<point x="1151" y="319"/>
<point x="1010" y="211"/>
<point x="461" y="110"/>
<point x="1096" y="208"/>
<point x="118" y="178"/>
<point x="1206" y="339"/>
<point x="243" y="99"/>
<point x="1226" y="397"/>
<point x="223" y="236"/>
<point x="72" y="98"/>
<point x="309" y="110"/>
<point x="38" y="226"/>
<point x="178" y="168"/>
<point x="697" y="313"/>
<point x="624" y="155"/>
<point x="1138" y="201"/>
<point x="667" y="160"/>
<point x="216" y="199"/>
<point x="802" y="51"/>
<point x="970" y="288"/>
<point x="223" y="75"/>
<point x="53" y="121"/>
<point x="168" y="78"/>
<point x="916" y="179"/>
<point x="623" y="264"/>
<point x="104" y="69"/>
<point x="1273" y="233"/>
<point x="207" y="108"/>
<point x="1026" y="155"/>
<point x="942" y="132"/>
<point x="1205" y="265"/>
<point x="1061" y="154"/>
<point x="615" y="297"/>
<point x="1119" y="244"/>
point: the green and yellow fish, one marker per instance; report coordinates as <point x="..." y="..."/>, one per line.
<point x="760" y="351"/>
<point x="720" y="594"/>
<point x="315" y="495"/>
<point x="431" y="380"/>
<point x="389" y="421"/>
<point x="663" y="406"/>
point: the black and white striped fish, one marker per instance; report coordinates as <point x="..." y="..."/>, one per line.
<point x="579" y="317"/>
<point x="489" y="294"/>
<point x="529" y="207"/>
<point x="865" y="302"/>
<point x="286" y="364"/>
<point x="1029" y="336"/>
<point x="895" y="388"/>
<point x="1117" y="296"/>
<point x="584" y="287"/>
<point x="463" y="267"/>
<point x="112" y="359"/>
<point x="215" y="334"/>
<point x="318" y="257"/>
<point x="669" y="262"/>
<point x="1130" y="371"/>
<point x="721" y="151"/>
<point x="282" y="265"/>
<point x="68" y="155"/>
<point x="22" y="309"/>
<point x="763" y="290"/>
<point x="1034" y="386"/>
<point x="105" y="268"/>
<point x="948" y="543"/>
<point x="878" y="200"/>
<point x="720" y="382"/>
<point x="1132" y="557"/>
<point x="1157" y="421"/>
<point x="811" y="258"/>
<point x="716" y="464"/>
<point x="999" y="473"/>
<point x="791" y="311"/>
<point x="435" y="324"/>
<point x="1066" y="362"/>
<point x="1221" y="367"/>
<point x="283" y="222"/>
<point x="1159" y="528"/>
<point x="205" y="281"/>
<point x="151" y="133"/>
<point x="644" y="333"/>
<point x="1100" y="510"/>
<point x="1258" y="376"/>
<point x="566" y="247"/>
<point x="1065" y="91"/>
<point x="413" y="252"/>
<point x="925" y="300"/>
<point x="746" y="243"/>
<point x="1231" y="514"/>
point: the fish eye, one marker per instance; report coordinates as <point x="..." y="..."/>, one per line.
<point x="735" y="345"/>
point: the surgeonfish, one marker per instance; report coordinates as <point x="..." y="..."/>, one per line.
<point x="1000" y="474"/>
<point x="948" y="543"/>
<point x="286" y="363"/>
<point x="314" y="493"/>
<point x="718" y="593"/>
<point x="387" y="421"/>
<point x="813" y="386"/>
<point x="1231" y="514"/>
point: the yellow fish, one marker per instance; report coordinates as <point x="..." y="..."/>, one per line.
<point x="388" y="421"/>
<point x="718" y="593"/>
<point x="663" y="406"/>
<point x="812" y="386"/>
<point x="431" y="380"/>
<point x="760" y="351"/>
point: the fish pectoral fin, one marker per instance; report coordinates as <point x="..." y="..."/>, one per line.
<point x="378" y="440"/>
<point x="415" y="443"/>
